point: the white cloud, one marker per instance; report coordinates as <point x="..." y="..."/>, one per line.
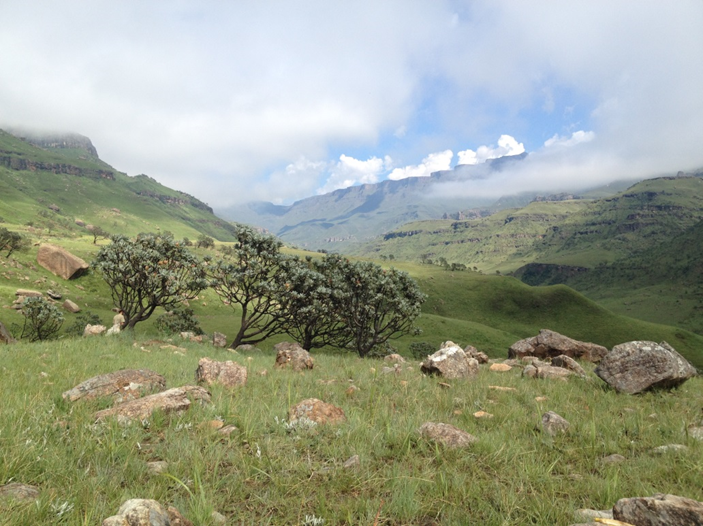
<point x="507" y="145"/>
<point x="349" y="171"/>
<point x="576" y="138"/>
<point x="434" y="162"/>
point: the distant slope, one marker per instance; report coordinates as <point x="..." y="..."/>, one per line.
<point x="50" y="182"/>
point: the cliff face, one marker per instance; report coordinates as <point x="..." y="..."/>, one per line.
<point x="56" y="141"/>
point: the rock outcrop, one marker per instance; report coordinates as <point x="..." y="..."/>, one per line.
<point x="659" y="510"/>
<point x="446" y="434"/>
<point x="61" y="262"/>
<point x="548" y="344"/>
<point x="312" y="409"/>
<point x="294" y="356"/>
<point x="128" y="384"/>
<point x="450" y="362"/>
<point x="638" y="366"/>
<point x="229" y="373"/>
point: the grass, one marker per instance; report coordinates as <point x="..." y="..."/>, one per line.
<point x="266" y="473"/>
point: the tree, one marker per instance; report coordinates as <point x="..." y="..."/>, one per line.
<point x="149" y="272"/>
<point x="373" y="304"/>
<point x="205" y="242"/>
<point x="12" y="241"/>
<point x="247" y="278"/>
<point x="42" y="320"/>
<point x="99" y="232"/>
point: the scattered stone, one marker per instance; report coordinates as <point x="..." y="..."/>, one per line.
<point x="450" y="362"/>
<point x="569" y="363"/>
<point x="191" y="336"/>
<point x="128" y="384"/>
<point x="229" y="373"/>
<point x="5" y="336"/>
<point x="669" y="448"/>
<point x="502" y="388"/>
<point x="212" y="424"/>
<point x="473" y="352"/>
<point x="317" y="411"/>
<point x="80" y="222"/>
<point x="218" y="518"/>
<point x="482" y="414"/>
<point x="696" y="433"/>
<point x="146" y="512"/>
<point x="173" y="400"/>
<point x="659" y="510"/>
<point x="227" y="430"/>
<point x="613" y="459"/>
<point x="396" y="369"/>
<point x="394" y="358"/>
<point x="219" y="339"/>
<point x="638" y="366"/>
<point x="61" y="262"/>
<point x="18" y="491"/>
<point x="588" y="515"/>
<point x="549" y="343"/>
<point x="553" y="424"/>
<point x="444" y="385"/>
<point x="26" y="293"/>
<point x="351" y="390"/>
<point x="500" y="367"/>
<point x="263" y="372"/>
<point x="446" y="434"/>
<point x="541" y="398"/>
<point x="247" y="348"/>
<point x="293" y="356"/>
<point x="70" y="306"/>
<point x="352" y="462"/>
<point x="549" y="372"/>
<point x="157" y="467"/>
<point x="530" y="371"/>
<point x="53" y="294"/>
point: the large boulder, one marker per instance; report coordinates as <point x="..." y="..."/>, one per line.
<point x="312" y="409"/>
<point x="122" y="386"/>
<point x="229" y="373"/>
<point x="450" y="362"/>
<point x="548" y="344"/>
<point x="174" y="400"/>
<point x="638" y="366"/>
<point x="61" y="262"/>
<point x="5" y="336"/>
<point x="294" y="356"/>
<point x="446" y="434"/>
<point x="659" y="510"/>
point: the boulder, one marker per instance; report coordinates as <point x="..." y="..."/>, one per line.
<point x="500" y="367"/>
<point x="638" y="366"/>
<point x="473" y="352"/>
<point x="18" y="491"/>
<point x="71" y="306"/>
<point x="146" y="512"/>
<point x="5" y="336"/>
<point x="175" y="400"/>
<point x="128" y="384"/>
<point x="94" y="330"/>
<point x="248" y="348"/>
<point x="54" y="295"/>
<point x="566" y="362"/>
<point x="312" y="409"/>
<point x="295" y="357"/>
<point x="446" y="434"/>
<point x="219" y="339"/>
<point x="659" y="510"/>
<point x="553" y="424"/>
<point x="450" y="362"/>
<point x="26" y="293"/>
<point x="549" y="343"/>
<point x="229" y="373"/>
<point x="549" y="372"/>
<point x="61" y="262"/>
<point x="394" y="358"/>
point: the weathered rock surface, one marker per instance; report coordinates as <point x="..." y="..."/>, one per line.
<point x="638" y="366"/>
<point x="473" y="352"/>
<point x="500" y="367"/>
<point x="128" y="384"/>
<point x="219" y="339"/>
<point x="659" y="510"/>
<point x="175" y="400"/>
<point x="5" y="336"/>
<point x="446" y="434"/>
<point x="229" y="373"/>
<point x="553" y="424"/>
<point x="146" y="512"/>
<point x="548" y="344"/>
<point x="317" y="411"/>
<point x="294" y="356"/>
<point x="18" y="491"/>
<point x="61" y="262"/>
<point x="27" y="293"/>
<point x="94" y="330"/>
<point x="450" y="362"/>
<point x="71" y="306"/>
<point x="566" y="362"/>
<point x="549" y="372"/>
<point x="250" y="348"/>
<point x="394" y="358"/>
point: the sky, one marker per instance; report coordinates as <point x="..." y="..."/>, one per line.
<point x="279" y="100"/>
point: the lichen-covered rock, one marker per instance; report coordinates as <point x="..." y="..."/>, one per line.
<point x="229" y="373"/>
<point x="394" y="358"/>
<point x="219" y="339"/>
<point x="146" y="512"/>
<point x="659" y="510"/>
<point x="473" y="352"/>
<point x="18" y="491"/>
<point x="71" y="306"/>
<point x="175" y="400"/>
<point x="5" y="336"/>
<point x="61" y="262"/>
<point x="446" y="434"/>
<point x="450" y="362"/>
<point x="638" y="366"/>
<point x="94" y="330"/>
<point x="124" y="385"/>
<point x="566" y="362"/>
<point x="548" y="344"/>
<point x="553" y="424"/>
<point x="294" y="356"/>
<point x="312" y="409"/>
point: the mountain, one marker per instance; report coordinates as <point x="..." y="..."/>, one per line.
<point x="58" y="182"/>
<point x="338" y="219"/>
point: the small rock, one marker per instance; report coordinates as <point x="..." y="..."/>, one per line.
<point x="219" y="339"/>
<point x="227" y="430"/>
<point x="157" y="467"/>
<point x="500" y="367"/>
<point x="317" y="411"/>
<point x="218" y="518"/>
<point x="446" y="434"/>
<point x="247" y="348"/>
<point x="482" y="414"/>
<point x="94" y="330"/>
<point x="53" y="294"/>
<point x="541" y="398"/>
<point x="352" y="462"/>
<point x="669" y="448"/>
<point x="229" y="374"/>
<point x="26" y="293"/>
<point x="553" y="424"/>
<point x="18" y="491"/>
<point x="613" y="459"/>
<point x="502" y="388"/>
<point x="351" y="390"/>
<point x="696" y="433"/>
<point x="70" y="306"/>
<point x="450" y="362"/>
<point x="530" y="371"/>
<point x="659" y="510"/>
<point x="588" y="515"/>
<point x="173" y="400"/>
<point x="295" y="357"/>
<point x="473" y="352"/>
<point x="127" y="384"/>
<point x="394" y="358"/>
<point x="569" y="363"/>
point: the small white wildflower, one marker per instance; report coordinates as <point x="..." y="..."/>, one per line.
<point x="258" y="451"/>
<point x="61" y="509"/>
<point x="311" y="520"/>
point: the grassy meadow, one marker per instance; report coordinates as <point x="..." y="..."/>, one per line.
<point x="268" y="472"/>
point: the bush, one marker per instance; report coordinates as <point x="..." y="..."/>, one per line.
<point x="42" y="320"/>
<point x="83" y="319"/>
<point x="177" y="321"/>
<point x="420" y="350"/>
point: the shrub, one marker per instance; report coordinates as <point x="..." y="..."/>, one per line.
<point x="420" y="350"/>
<point x="83" y="319"/>
<point x="42" y="320"/>
<point x="177" y="321"/>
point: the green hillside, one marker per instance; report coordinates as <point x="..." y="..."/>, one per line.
<point x="55" y="189"/>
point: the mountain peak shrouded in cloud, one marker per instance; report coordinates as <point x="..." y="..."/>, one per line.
<point x="237" y="101"/>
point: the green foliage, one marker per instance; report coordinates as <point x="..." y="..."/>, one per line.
<point x="12" y="241"/>
<point x="177" y="321"/>
<point x="148" y="272"/>
<point x="99" y="233"/>
<point x="420" y="350"/>
<point x="205" y="241"/>
<point x="83" y="319"/>
<point x="42" y="320"/>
